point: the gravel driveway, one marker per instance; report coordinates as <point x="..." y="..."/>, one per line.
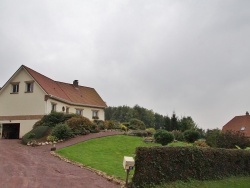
<point x="25" y="166"/>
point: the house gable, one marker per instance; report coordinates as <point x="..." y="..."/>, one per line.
<point x="239" y="123"/>
<point x="26" y="100"/>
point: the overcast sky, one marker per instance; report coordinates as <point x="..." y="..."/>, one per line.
<point x="189" y="56"/>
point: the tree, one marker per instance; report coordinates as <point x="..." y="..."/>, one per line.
<point x="167" y="123"/>
<point x="174" y="122"/>
<point x="159" y="121"/>
<point x="187" y="123"/>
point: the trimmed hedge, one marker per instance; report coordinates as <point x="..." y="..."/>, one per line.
<point x="156" y="165"/>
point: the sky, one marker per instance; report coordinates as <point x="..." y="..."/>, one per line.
<point x="190" y="57"/>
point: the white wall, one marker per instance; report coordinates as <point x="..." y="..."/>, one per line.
<point x="22" y="103"/>
<point x="25" y="126"/>
<point x="86" y="111"/>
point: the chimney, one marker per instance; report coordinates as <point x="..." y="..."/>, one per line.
<point x="247" y="113"/>
<point x="75" y="83"/>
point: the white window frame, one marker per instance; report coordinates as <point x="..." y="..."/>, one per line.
<point x="53" y="107"/>
<point x="79" y="111"/>
<point x="29" y="87"/>
<point x="15" y="87"/>
<point x="67" y="110"/>
<point x="95" y="114"/>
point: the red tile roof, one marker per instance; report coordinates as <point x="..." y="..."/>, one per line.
<point x="238" y="123"/>
<point x="80" y="95"/>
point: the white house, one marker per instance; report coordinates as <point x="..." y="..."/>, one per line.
<point x="28" y="95"/>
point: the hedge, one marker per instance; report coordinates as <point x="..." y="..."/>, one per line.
<point x="156" y="165"/>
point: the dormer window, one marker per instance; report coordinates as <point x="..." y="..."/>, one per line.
<point x="15" y="87"/>
<point x="242" y="128"/>
<point x="29" y="87"/>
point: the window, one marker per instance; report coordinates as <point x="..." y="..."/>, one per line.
<point x="67" y="110"/>
<point x="15" y="87"/>
<point x="95" y="114"/>
<point x="29" y="87"/>
<point x="79" y="111"/>
<point x="242" y="128"/>
<point x="53" y="107"/>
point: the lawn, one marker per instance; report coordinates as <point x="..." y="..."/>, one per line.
<point x="106" y="153"/>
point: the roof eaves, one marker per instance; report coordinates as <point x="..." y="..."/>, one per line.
<point x="76" y="104"/>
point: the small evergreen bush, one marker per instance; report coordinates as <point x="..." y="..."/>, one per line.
<point x="62" y="131"/>
<point x="191" y="135"/>
<point x="163" y="137"/>
<point x="36" y="133"/>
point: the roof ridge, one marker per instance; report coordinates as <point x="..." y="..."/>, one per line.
<point x="37" y="72"/>
<point x="72" y="84"/>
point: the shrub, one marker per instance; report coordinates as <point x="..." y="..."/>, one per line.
<point x="136" y="124"/>
<point x="150" y="131"/>
<point x="140" y="133"/>
<point x="62" y="131"/>
<point x="212" y="137"/>
<point x="35" y="133"/>
<point x="94" y="128"/>
<point x="110" y="124"/>
<point x="229" y="139"/>
<point x="53" y="119"/>
<point x="191" y="135"/>
<point x="100" y="124"/>
<point x="52" y="138"/>
<point x="123" y="127"/>
<point x="163" y="137"/>
<point x="200" y="143"/>
<point x="79" y="125"/>
<point x="178" y="135"/>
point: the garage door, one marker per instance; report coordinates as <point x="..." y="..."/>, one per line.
<point x="11" y="131"/>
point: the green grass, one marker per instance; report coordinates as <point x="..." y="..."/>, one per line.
<point x="233" y="182"/>
<point x="106" y="153"/>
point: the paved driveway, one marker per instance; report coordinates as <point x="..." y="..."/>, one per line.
<point x="24" y="166"/>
